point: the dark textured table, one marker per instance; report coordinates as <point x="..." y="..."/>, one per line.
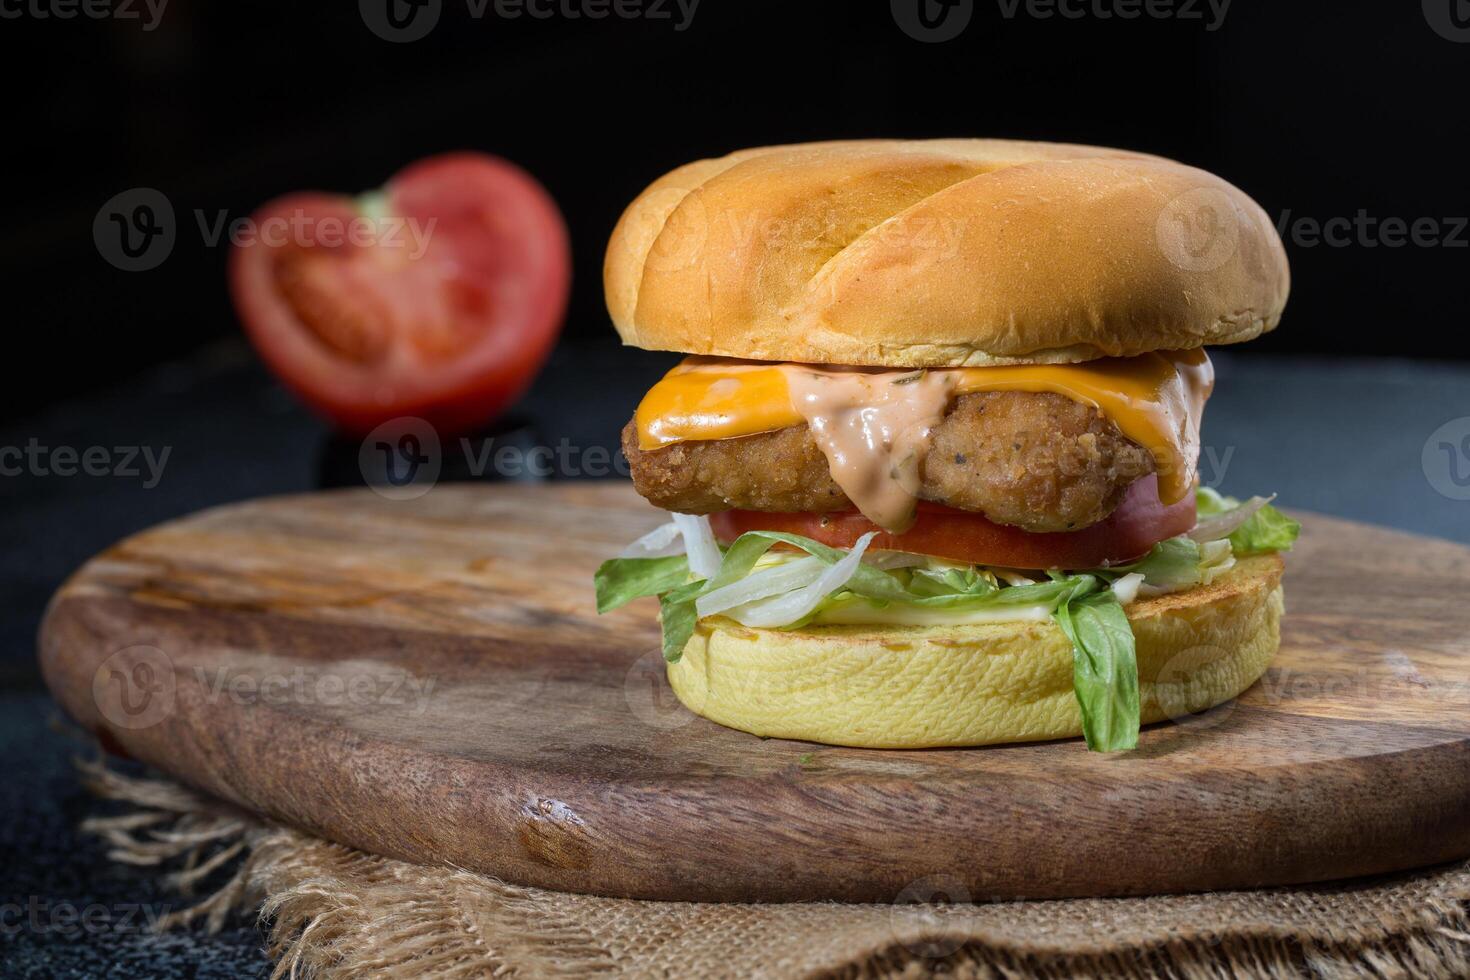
<point x="1360" y="439"/>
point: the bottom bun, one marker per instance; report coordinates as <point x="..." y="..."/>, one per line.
<point x="914" y="687"/>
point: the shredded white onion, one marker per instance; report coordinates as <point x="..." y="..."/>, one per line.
<point x="1223" y="525"/>
<point x="1126" y="588"/>
<point x="762" y="584"/>
<point x="781" y="610"/>
<point x="1012" y="578"/>
<point x="1214" y="551"/>
<point x="1212" y="572"/>
<point x="661" y="542"/>
<point x="699" y="544"/>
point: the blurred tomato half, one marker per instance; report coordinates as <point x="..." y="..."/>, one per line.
<point x="439" y="296"/>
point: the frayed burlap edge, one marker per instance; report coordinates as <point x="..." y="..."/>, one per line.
<point x="333" y="912"/>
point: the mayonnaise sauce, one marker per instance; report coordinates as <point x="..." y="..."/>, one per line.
<point x="873" y="427"/>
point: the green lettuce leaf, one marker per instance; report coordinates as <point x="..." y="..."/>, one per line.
<point x="678" y="616"/>
<point x="1267" y="530"/>
<point x="1170" y="564"/>
<point x="1104" y="669"/>
<point x="1209" y="502"/>
<point x="936" y="582"/>
<point x="619" y="581"/>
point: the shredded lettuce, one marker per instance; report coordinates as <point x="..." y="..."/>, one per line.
<point x="886" y="588"/>
<point x="1267" y="529"/>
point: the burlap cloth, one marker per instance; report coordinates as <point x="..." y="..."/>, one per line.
<point x="337" y="912"/>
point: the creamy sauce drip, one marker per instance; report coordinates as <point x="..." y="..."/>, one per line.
<point x="873" y="427"/>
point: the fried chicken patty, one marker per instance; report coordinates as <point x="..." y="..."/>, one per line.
<point x="1039" y="461"/>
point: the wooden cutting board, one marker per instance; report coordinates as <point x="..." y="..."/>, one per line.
<point x="428" y="680"/>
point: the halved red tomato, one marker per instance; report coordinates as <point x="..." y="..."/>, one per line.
<point x="438" y="297"/>
<point x="1140" y="521"/>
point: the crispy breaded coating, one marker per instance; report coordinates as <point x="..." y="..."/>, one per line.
<point x="1039" y="461"/>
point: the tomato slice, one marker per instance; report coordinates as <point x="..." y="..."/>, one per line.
<point x="1140" y="521"/>
<point x="438" y="297"/>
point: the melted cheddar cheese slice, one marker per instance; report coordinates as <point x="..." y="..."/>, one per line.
<point x="1155" y="400"/>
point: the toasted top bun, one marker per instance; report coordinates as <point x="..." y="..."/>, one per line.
<point x="941" y="253"/>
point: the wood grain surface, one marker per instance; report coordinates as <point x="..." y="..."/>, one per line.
<point x="428" y="680"/>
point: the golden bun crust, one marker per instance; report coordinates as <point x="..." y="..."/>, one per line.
<point x="935" y="253"/>
<point x="925" y="687"/>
